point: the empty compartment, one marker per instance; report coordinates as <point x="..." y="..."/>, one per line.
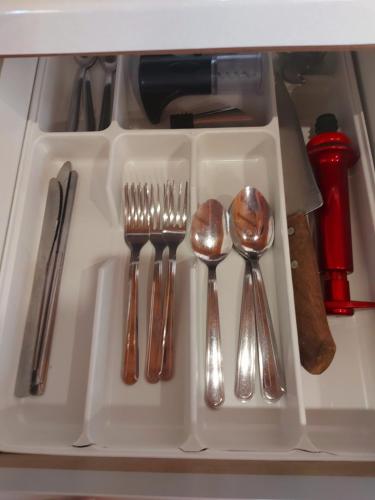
<point x="227" y="162"/>
<point x="140" y="416"/>
<point x="240" y="89"/>
<point x="60" y="75"/>
<point x="53" y="420"/>
<point x="340" y="403"/>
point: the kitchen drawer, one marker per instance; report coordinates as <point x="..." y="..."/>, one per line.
<point x="86" y="411"/>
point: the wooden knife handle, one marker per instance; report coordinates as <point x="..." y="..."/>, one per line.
<point x="316" y="345"/>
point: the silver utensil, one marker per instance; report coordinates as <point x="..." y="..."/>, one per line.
<point x="82" y="85"/>
<point x="211" y="242"/>
<point x="109" y="64"/>
<point x="68" y="181"/>
<point x="175" y="216"/>
<point x="155" y="333"/>
<point x="302" y="196"/>
<point x="136" y="234"/>
<point x="33" y="363"/>
<point x="247" y="336"/>
<point x="252" y="230"/>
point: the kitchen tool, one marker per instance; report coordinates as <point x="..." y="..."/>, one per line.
<point x="164" y="78"/>
<point x="226" y="117"/>
<point x="82" y="85"/>
<point x="302" y="195"/>
<point x="211" y="242"/>
<point x="109" y="64"/>
<point x="331" y="154"/>
<point x="252" y="231"/>
<point x="136" y="234"/>
<point x="175" y="216"/>
<point x="155" y="333"/>
<point x="33" y="363"/>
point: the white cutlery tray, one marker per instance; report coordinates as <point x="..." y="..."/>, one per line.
<point x="86" y="409"/>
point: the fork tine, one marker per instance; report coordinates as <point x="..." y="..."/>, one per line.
<point x="133" y="201"/>
<point x="171" y="203"/>
<point x="152" y="207"/>
<point x="179" y="218"/>
<point x="139" y="203"/>
<point x="186" y="203"/>
<point x="146" y="207"/>
<point x="126" y="202"/>
<point x="158" y="208"/>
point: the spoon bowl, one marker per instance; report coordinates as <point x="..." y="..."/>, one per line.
<point x="251" y="222"/>
<point x="210" y="238"/>
<point x="211" y="242"/>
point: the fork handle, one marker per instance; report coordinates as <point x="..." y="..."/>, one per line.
<point x="155" y="332"/>
<point x="131" y="363"/>
<point x="168" y="340"/>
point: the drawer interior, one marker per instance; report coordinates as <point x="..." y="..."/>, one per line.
<point x="86" y="407"/>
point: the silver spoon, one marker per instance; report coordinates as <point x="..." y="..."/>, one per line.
<point x="211" y="242"/>
<point x="109" y="64"/>
<point x="81" y="80"/>
<point x="252" y="231"/>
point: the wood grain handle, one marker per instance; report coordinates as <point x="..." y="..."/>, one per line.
<point x="316" y="345"/>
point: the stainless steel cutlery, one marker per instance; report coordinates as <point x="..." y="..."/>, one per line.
<point x="211" y="242"/>
<point x="251" y="231"/>
<point x="175" y="217"/>
<point x="34" y="359"/>
<point x="136" y="234"/>
<point x="163" y="222"/>
<point x="82" y="91"/>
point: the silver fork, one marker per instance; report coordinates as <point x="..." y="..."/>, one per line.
<point x="154" y="344"/>
<point x="136" y="234"/>
<point x="175" y="217"/>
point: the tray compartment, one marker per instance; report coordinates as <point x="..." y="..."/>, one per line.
<point x="225" y="163"/>
<point x="142" y="416"/>
<point x="340" y="403"/>
<point x="60" y="73"/>
<point x="130" y="113"/>
<point x="55" y="418"/>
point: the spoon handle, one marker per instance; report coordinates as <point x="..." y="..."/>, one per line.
<point x="246" y="354"/>
<point x="271" y="375"/>
<point x="214" y="393"/>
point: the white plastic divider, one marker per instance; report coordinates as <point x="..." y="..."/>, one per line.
<point x="226" y="162"/>
<point x="131" y="115"/>
<point x="54" y="419"/>
<point x="340" y="403"/>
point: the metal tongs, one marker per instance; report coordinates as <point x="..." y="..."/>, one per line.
<point x="34" y="359"/>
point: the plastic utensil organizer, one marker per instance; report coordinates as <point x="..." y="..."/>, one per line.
<point x="86" y="409"/>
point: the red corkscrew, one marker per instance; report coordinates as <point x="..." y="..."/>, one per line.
<point x="331" y="154"/>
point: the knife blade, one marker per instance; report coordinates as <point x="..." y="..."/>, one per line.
<point x="47" y="239"/>
<point x="302" y="196"/>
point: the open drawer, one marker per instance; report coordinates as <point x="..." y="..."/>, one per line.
<point x="86" y="409"/>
